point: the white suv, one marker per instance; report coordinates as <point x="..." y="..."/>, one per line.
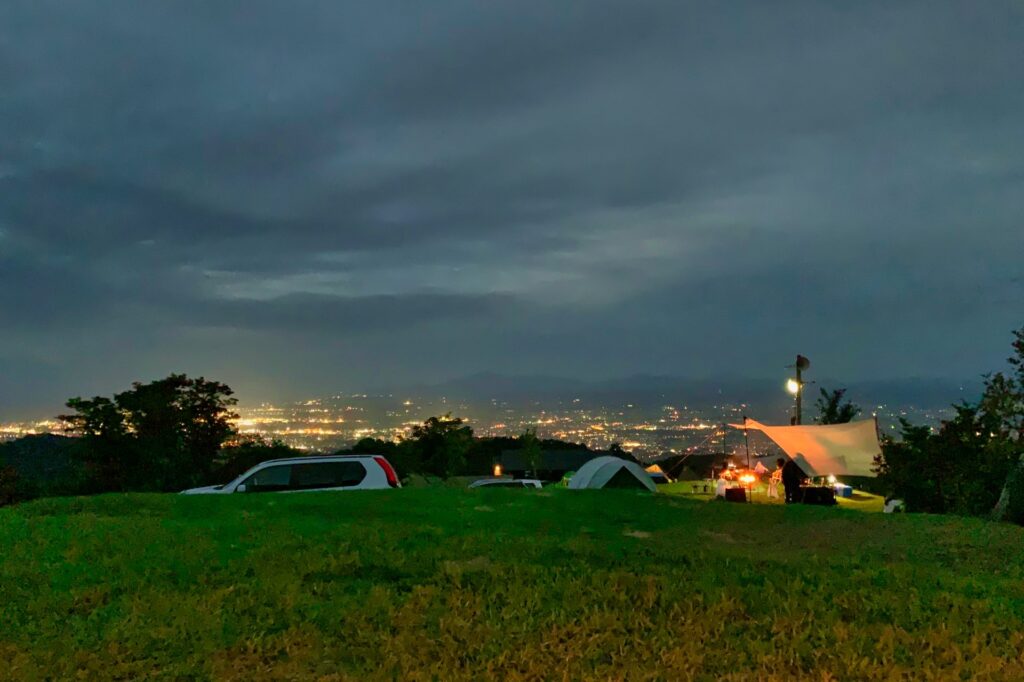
<point x="306" y="474"/>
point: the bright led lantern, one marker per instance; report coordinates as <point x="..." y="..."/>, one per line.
<point x="792" y="386"/>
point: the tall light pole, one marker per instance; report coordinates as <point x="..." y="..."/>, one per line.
<point x="796" y="386"/>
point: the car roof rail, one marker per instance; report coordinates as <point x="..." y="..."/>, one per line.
<point x="317" y="457"/>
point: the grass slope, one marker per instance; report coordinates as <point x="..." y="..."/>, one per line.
<point x="501" y="584"/>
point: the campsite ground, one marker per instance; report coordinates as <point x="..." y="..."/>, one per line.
<point x="442" y="583"/>
<point x="694" y="490"/>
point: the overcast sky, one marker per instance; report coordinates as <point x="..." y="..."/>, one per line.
<point x="299" y="197"/>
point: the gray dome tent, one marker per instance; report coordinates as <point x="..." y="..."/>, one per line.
<point x="611" y="472"/>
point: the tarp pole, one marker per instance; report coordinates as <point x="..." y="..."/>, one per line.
<point x="799" y="392"/>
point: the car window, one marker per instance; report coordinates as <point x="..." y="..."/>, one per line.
<point x="315" y="475"/>
<point x="269" y="480"/>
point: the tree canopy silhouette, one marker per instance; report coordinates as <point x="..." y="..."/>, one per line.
<point x="532" y="452"/>
<point x="1003" y="402"/>
<point x="974" y="463"/>
<point x="833" y="410"/>
<point x="163" y="435"/>
<point x="440" y="445"/>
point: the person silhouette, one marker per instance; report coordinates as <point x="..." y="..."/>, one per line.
<point x="792" y="477"/>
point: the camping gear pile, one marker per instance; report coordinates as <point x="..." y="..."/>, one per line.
<point x="821" y="451"/>
<point x="824" y="451"/>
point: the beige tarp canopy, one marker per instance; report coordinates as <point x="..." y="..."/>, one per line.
<point x="823" y="449"/>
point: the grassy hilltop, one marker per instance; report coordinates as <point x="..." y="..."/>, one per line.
<point x="501" y="584"/>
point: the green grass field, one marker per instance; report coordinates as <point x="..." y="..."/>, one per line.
<point x="501" y="584"/>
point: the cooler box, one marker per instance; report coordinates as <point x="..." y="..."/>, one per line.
<point x="735" y="495"/>
<point x="823" y="495"/>
<point x="844" y="491"/>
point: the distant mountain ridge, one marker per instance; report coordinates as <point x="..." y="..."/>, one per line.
<point x="647" y="389"/>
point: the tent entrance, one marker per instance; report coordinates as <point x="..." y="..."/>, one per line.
<point x="623" y="478"/>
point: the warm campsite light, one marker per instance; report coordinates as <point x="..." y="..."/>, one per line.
<point x="832" y="479"/>
<point x="792" y="386"/>
<point x="748" y="479"/>
<point x="497" y="470"/>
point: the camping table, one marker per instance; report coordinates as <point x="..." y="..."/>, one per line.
<point x="818" y="494"/>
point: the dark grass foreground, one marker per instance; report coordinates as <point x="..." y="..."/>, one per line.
<point x="500" y="584"/>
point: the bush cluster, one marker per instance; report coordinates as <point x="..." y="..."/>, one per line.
<point x="972" y="464"/>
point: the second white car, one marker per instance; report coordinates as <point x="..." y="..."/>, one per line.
<point x="506" y="483"/>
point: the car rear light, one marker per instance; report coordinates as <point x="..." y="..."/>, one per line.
<point x="388" y="471"/>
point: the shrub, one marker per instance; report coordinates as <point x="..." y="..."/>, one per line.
<point x="9" y="493"/>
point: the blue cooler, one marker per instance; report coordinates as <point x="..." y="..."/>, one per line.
<point x="844" y="491"/>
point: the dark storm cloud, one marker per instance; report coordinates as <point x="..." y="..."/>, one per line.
<point x="430" y="189"/>
<point x="345" y="315"/>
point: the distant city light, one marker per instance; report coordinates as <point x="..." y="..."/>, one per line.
<point x="330" y="424"/>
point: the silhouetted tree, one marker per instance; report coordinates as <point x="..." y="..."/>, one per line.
<point x="484" y="452"/>
<point x="439" y="445"/>
<point x="955" y="469"/>
<point x="833" y="410"/>
<point x="371" y="446"/>
<point x="108" y="452"/>
<point x="615" y="450"/>
<point x="445" y="444"/>
<point x="532" y="452"/>
<point x="555" y="444"/>
<point x="1003" y="401"/>
<point x="900" y="466"/>
<point x="973" y="463"/>
<point x="164" y="435"/>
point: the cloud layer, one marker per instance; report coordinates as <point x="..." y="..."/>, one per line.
<point x="337" y="195"/>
